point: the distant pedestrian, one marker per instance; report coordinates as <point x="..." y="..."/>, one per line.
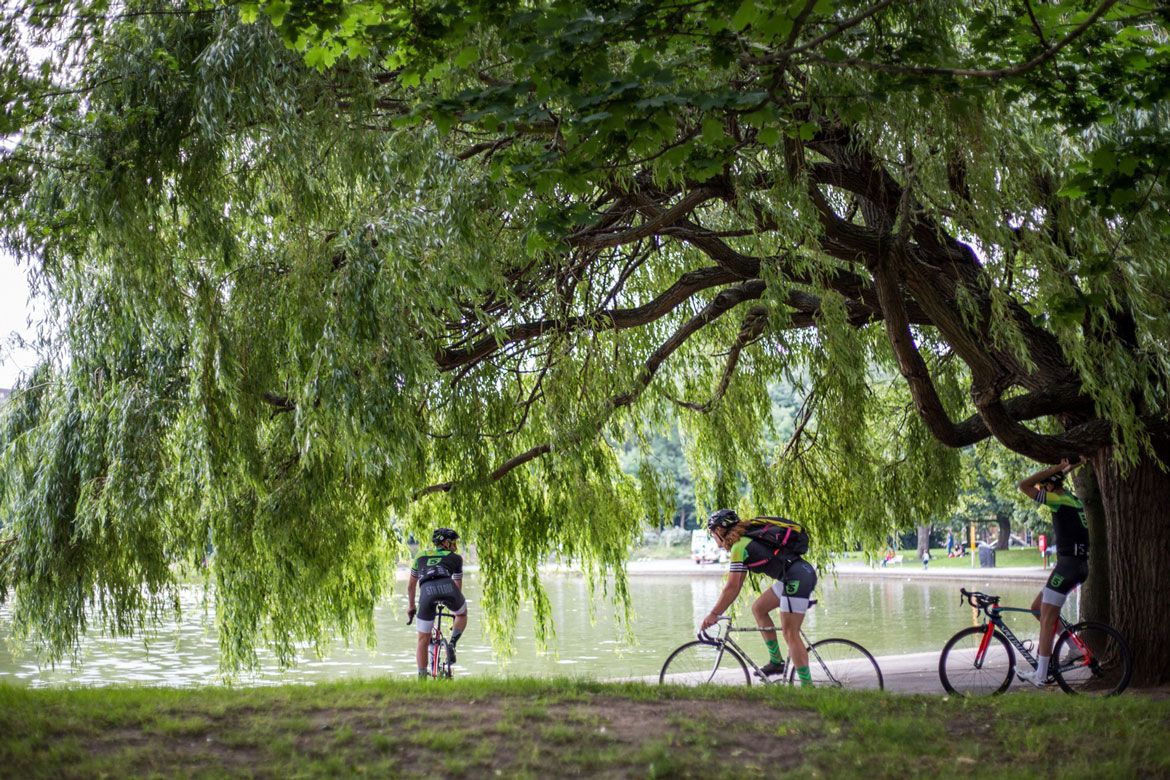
<point x="925" y="558"/>
<point x="950" y="544"/>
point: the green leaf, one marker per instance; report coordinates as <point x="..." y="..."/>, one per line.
<point x="744" y="15"/>
<point x="713" y="130"/>
<point x="466" y="56"/>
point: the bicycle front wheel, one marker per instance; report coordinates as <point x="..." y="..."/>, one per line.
<point x="840" y="663"/>
<point x="965" y="672"/>
<point x="703" y="663"/>
<point x="1092" y="659"/>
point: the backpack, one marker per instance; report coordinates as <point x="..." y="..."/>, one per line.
<point x="783" y="536"/>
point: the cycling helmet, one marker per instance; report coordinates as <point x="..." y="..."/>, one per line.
<point x="443" y="535"/>
<point x="1056" y="480"/>
<point x="722" y="518"/>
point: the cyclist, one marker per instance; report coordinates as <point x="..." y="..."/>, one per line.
<point x="795" y="580"/>
<point x="438" y="576"/>
<point x="1071" y="530"/>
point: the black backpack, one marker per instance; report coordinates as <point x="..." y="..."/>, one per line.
<point x="783" y="536"/>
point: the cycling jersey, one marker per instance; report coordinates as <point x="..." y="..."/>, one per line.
<point x="437" y="564"/>
<point x="748" y="555"/>
<point x="1069" y="525"/>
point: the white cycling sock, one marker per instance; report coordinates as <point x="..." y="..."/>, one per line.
<point x="1041" y="667"/>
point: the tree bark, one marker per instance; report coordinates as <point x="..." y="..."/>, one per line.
<point x="1094" y="604"/>
<point x="1005" y="531"/>
<point x="923" y="540"/>
<point x="1137" y="521"/>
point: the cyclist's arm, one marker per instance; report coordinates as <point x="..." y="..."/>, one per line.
<point x="410" y="588"/>
<point x="727" y="597"/>
<point x="1029" y="486"/>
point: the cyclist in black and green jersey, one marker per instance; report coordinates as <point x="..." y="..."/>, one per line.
<point x="795" y="580"/>
<point x="1071" y="532"/>
<point x="438" y="576"/>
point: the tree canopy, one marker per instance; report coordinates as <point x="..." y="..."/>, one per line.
<point x="326" y="274"/>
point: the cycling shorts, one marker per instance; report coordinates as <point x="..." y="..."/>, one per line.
<point x="1068" y="572"/>
<point x="796" y="586"/>
<point x="435" y="592"/>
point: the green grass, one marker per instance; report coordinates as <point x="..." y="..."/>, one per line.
<point x="570" y="728"/>
<point x="1016" y="557"/>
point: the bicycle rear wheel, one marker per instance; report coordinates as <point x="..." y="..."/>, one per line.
<point x="434" y="663"/>
<point x="840" y="663"/>
<point x="964" y="674"/>
<point x="703" y="663"/>
<point x="1092" y="659"/>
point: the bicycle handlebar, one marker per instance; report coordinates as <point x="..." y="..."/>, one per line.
<point x="703" y="636"/>
<point x="977" y="599"/>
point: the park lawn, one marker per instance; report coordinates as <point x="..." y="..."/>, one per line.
<point x="1017" y="557"/>
<point x="566" y="728"/>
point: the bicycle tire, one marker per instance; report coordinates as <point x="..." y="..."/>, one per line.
<point x="1110" y="663"/>
<point x="703" y="663"/>
<point x="840" y="663"/>
<point x="957" y="670"/>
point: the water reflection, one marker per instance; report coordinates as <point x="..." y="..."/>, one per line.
<point x="888" y="616"/>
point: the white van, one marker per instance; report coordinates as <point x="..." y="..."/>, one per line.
<point x="704" y="549"/>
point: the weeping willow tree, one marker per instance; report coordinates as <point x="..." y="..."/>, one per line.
<point x="327" y="274"/>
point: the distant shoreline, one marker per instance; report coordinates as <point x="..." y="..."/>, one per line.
<point x="684" y="567"/>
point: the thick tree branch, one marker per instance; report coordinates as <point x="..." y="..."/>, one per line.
<point x="618" y="319"/>
<point x="722" y="303"/>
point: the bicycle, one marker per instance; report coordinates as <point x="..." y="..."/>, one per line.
<point x="439" y="650"/>
<point x="1088" y="658"/>
<point x="840" y="663"/>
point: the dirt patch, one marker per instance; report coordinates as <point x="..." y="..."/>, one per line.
<point x="597" y="736"/>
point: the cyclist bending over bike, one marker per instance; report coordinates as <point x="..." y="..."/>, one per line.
<point x="795" y="580"/>
<point x="1071" y="530"/>
<point x="438" y="576"/>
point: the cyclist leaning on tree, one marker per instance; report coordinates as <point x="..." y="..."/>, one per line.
<point x="1071" y="532"/>
<point x="437" y="574"/>
<point x="795" y="580"/>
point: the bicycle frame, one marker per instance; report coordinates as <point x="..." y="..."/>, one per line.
<point x="723" y="639"/>
<point x="994" y="614"/>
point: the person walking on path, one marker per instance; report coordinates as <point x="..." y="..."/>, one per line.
<point x="1071" y="532"/>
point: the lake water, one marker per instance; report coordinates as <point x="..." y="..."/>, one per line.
<point x="888" y="616"/>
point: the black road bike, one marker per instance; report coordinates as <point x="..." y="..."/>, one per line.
<point x="439" y="655"/>
<point x="1087" y="658"/>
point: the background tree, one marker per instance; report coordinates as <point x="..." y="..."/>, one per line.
<point x="414" y="282"/>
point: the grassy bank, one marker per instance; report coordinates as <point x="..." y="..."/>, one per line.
<point x="541" y="728"/>
<point x="1004" y="559"/>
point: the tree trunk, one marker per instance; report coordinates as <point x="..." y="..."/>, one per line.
<point x="923" y="540"/>
<point x="1005" y="531"/>
<point x="1137" y="519"/>
<point x="1094" y="604"/>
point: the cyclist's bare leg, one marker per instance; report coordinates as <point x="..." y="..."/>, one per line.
<point x="1049" y="617"/>
<point x="761" y="608"/>
<point x="459" y="624"/>
<point x="420" y="653"/>
<point x="790" y="623"/>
